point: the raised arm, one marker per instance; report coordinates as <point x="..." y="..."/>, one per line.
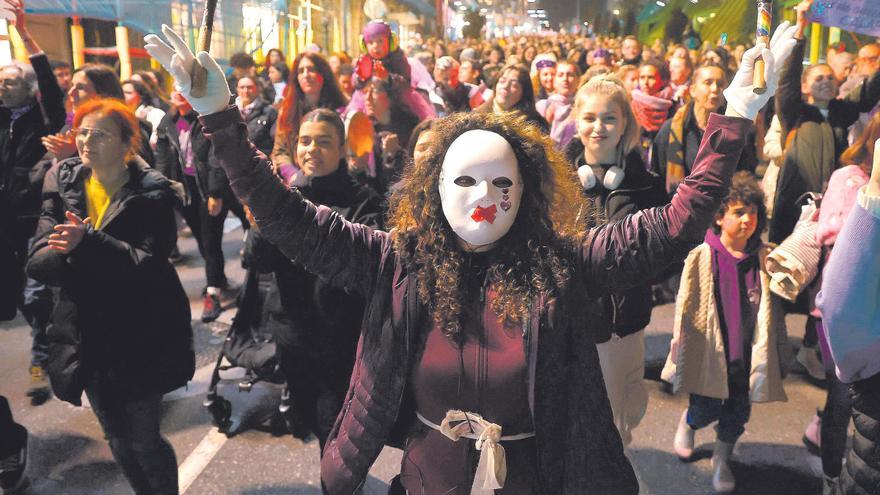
<point x="51" y="96"/>
<point x="789" y="99"/>
<point x="322" y="241"/>
<point x="861" y="99"/>
<point x="343" y="253"/>
<point x="625" y="253"/>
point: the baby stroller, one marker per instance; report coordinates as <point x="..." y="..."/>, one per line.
<point x="250" y="345"/>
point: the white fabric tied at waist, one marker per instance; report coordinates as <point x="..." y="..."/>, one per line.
<point x="492" y="468"/>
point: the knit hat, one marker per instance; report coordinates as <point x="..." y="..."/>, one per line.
<point x="468" y="54"/>
<point x="374" y="29"/>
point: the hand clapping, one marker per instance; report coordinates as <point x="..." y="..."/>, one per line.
<point x="67" y="236"/>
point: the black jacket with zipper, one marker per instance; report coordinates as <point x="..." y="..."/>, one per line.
<point x="169" y="159"/>
<point x="627" y="312"/>
<point x="122" y="318"/>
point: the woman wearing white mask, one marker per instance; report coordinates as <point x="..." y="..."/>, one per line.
<point x="475" y="317"/>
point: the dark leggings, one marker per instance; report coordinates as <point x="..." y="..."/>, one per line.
<point x="192" y="212"/>
<point x="13" y="436"/>
<point x="212" y="240"/>
<point x="131" y="427"/>
<point x="835" y="420"/>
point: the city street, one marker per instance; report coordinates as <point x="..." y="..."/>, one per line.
<point x="69" y="456"/>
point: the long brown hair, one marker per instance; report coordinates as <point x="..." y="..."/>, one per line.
<point x="294" y="106"/>
<point x="861" y="152"/>
<point x="533" y="257"/>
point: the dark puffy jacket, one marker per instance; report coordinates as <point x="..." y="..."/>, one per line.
<point x="627" y="312"/>
<point x="579" y="449"/>
<point x="861" y="472"/>
<point x="122" y="317"/>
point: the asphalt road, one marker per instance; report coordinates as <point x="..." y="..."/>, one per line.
<point x="69" y="456"/>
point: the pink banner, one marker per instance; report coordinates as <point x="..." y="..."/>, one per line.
<point x="859" y="16"/>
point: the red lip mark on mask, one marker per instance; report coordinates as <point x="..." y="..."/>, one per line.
<point x="487" y="214"/>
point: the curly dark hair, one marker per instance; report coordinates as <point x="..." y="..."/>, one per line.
<point x="533" y="258"/>
<point x="746" y="189"/>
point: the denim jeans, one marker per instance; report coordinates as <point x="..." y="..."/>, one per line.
<point x="131" y="427"/>
<point x="37" y="309"/>
<point x="732" y="415"/>
<point x="36" y="306"/>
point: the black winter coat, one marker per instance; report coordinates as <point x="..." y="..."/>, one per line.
<point x="318" y="324"/>
<point x="122" y="317"/>
<point x="623" y="313"/>
<point x="861" y="472"/>
<point x="21" y="148"/>
<point x="692" y="137"/>
<point x="261" y="126"/>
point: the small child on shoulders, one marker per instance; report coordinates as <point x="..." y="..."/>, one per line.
<point x="729" y="338"/>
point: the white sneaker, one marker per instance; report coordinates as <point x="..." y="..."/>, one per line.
<point x="722" y="476"/>
<point x="809" y="360"/>
<point x="683" y="444"/>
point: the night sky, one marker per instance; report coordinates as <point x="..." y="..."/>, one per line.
<point x="564" y="10"/>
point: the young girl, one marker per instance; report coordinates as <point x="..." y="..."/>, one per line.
<point x="383" y="59"/>
<point x="607" y="161"/>
<point x="729" y="331"/>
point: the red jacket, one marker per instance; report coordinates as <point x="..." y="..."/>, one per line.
<point x="579" y="449"/>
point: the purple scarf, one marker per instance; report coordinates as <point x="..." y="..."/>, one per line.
<point x="737" y="293"/>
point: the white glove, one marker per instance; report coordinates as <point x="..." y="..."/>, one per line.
<point x="178" y="61"/>
<point x="740" y="95"/>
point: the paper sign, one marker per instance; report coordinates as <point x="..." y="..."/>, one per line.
<point x="859" y="16"/>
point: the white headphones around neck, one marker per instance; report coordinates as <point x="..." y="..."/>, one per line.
<point x="612" y="180"/>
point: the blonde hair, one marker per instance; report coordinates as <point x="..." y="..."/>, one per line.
<point x="612" y="88"/>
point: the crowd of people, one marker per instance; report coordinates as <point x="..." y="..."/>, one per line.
<point x="483" y="268"/>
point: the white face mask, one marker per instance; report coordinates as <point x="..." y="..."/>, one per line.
<point x="480" y="187"/>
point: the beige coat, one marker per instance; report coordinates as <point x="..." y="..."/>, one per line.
<point x="696" y="363"/>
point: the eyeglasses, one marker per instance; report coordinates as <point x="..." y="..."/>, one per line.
<point x="96" y="134"/>
<point x="10" y="82"/>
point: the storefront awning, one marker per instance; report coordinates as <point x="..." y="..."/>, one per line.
<point x="420" y="7"/>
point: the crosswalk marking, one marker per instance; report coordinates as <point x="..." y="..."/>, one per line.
<point x="199" y="459"/>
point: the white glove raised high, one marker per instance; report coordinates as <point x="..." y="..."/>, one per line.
<point x="740" y="95"/>
<point x="178" y="61"/>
